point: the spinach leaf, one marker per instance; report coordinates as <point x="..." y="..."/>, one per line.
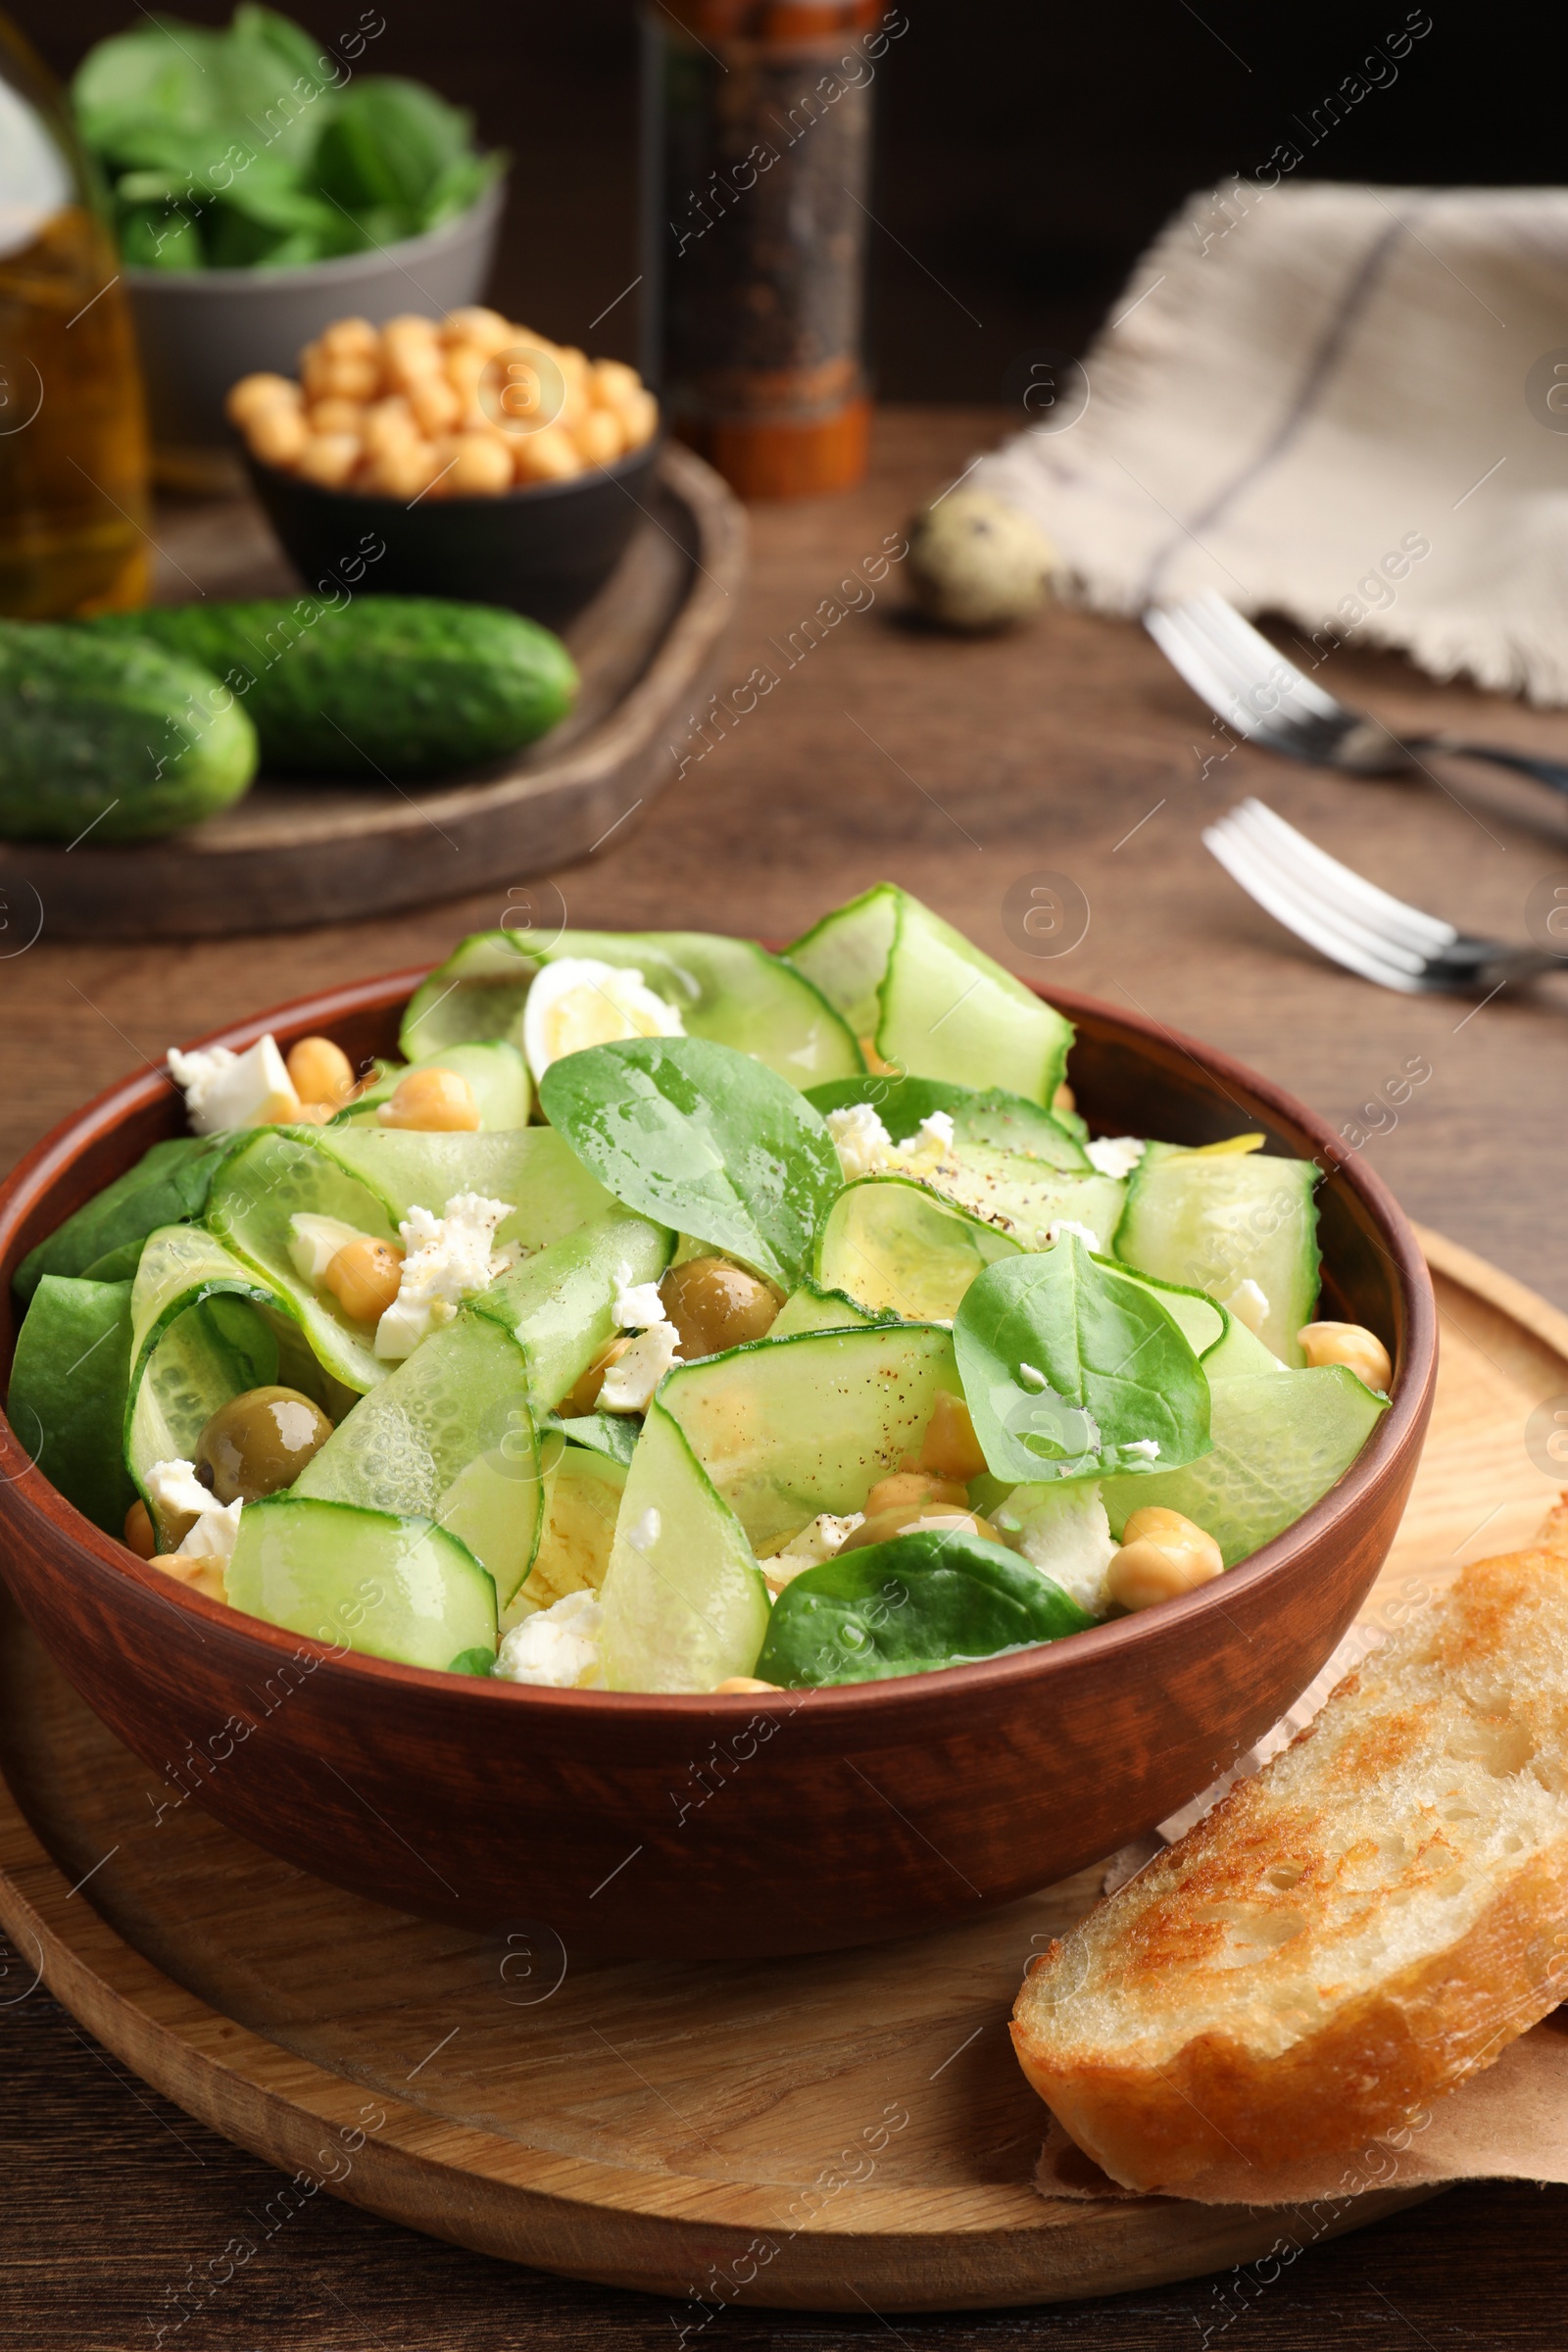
<point x="901" y="1104"/>
<point x="933" y="1599"/>
<point x="388" y="142"/>
<point x="252" y="147"/>
<point x="1073" y="1369"/>
<point x="473" y="1662"/>
<point x="117" y="1265"/>
<point x="1007" y="1121"/>
<point x="168" y="1185"/>
<point x="68" y="1384"/>
<point x="703" y="1138"/>
<point x="615" y="1435"/>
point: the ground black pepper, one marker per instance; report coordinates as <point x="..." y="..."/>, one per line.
<point x="758" y="136"/>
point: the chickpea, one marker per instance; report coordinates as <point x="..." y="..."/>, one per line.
<point x="880" y="1527"/>
<point x="436" y="407"/>
<point x="388" y="424"/>
<point x="466" y="365"/>
<point x="949" y="1445"/>
<point x="327" y="377"/>
<point x="259" y="1442"/>
<point x="639" y="418"/>
<point x="519" y="393"/>
<point x="365" y="1278"/>
<point x="573" y="368"/>
<point x="612" y="383"/>
<point x="1162" y="1554"/>
<point x="403" y="370"/>
<point x="410" y="344"/>
<point x="320" y="1073"/>
<point x="434" y="1102"/>
<point x="328" y="458"/>
<point x="254" y="393"/>
<point x="277" y="434"/>
<point x="195" y="1569"/>
<point x="1064" y="1099"/>
<point x="141" y="1537"/>
<point x="714" y="1305"/>
<point x="598" y="435"/>
<point x="914" y="1490"/>
<point x="738" y="1686"/>
<point x="481" y="466"/>
<point x="1156" y="1523"/>
<point x="350" y="339"/>
<point x="336" y="417"/>
<point x="405" y="469"/>
<point x="412" y="327"/>
<point x="583" y="1395"/>
<point x="354" y="379"/>
<point x="1350" y="1344"/>
<point x="548" y="456"/>
<point x="485" y="331"/>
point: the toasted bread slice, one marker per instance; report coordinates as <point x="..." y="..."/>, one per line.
<point x="1373" y="1918"/>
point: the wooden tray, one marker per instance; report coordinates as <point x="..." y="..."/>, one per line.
<point x="291" y="854"/>
<point x="847" y="2131"/>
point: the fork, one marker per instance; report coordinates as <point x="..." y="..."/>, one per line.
<point x="1260" y="695"/>
<point x="1353" y="922"/>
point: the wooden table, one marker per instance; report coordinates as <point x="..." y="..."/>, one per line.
<point x="964" y="771"/>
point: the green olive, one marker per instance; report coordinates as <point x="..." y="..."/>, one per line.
<point x="259" y="1442"/>
<point x="714" y="1305"/>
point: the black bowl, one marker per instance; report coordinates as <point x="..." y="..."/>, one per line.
<point x="543" y="551"/>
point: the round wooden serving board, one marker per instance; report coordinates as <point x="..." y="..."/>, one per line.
<point x="845" y="2132"/>
<point x="295" y="854"/>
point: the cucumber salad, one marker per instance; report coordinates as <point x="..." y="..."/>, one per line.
<point x="674" y="1316"/>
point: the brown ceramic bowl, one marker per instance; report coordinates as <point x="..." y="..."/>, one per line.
<point x="725" y="1827"/>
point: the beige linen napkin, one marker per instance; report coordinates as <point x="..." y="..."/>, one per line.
<point x="1336" y="403"/>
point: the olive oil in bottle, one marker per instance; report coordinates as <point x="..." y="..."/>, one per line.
<point x="73" y="437"/>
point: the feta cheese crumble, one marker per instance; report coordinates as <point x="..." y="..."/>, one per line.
<point x="861" y="1140"/>
<point x="1062" y="1530"/>
<point x="449" y="1259"/>
<point x="1149" y="1447"/>
<point x="1248" y="1305"/>
<point x="1066" y="1225"/>
<point x="865" y="1148"/>
<point x="630" y="1382"/>
<point x="313" y="1242"/>
<point x="556" y="1649"/>
<point x="176" y="1489"/>
<point x="821" y="1539"/>
<point x="929" y="1146"/>
<point x="223" y="1089"/>
<point x="1115" y="1155"/>
<point x="637" y="1306"/>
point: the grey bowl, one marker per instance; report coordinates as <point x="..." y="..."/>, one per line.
<point x="199" y="331"/>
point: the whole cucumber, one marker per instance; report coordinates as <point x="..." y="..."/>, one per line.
<point x="401" y="687"/>
<point x="114" y="734"/>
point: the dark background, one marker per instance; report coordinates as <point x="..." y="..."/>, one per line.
<point x="1027" y="153"/>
